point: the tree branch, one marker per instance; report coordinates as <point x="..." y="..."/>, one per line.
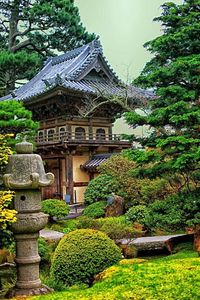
<point x="21" y="45"/>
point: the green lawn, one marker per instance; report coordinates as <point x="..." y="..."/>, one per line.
<point x="173" y="277"/>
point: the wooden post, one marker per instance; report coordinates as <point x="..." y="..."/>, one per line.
<point x="69" y="175"/>
<point x="110" y="133"/>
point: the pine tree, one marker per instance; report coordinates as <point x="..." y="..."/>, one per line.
<point x="15" y="119"/>
<point x="174" y="115"/>
<point x="31" y="31"/>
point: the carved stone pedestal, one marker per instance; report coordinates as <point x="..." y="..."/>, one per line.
<point x="26" y="175"/>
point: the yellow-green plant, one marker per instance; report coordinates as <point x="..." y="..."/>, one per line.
<point x="7" y="215"/>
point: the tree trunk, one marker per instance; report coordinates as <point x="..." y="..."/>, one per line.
<point x="12" y="41"/>
<point x="197" y="238"/>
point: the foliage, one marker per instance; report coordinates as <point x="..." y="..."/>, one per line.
<point x="16" y="119"/>
<point x="134" y="190"/>
<point x="46" y="249"/>
<point x="81" y="255"/>
<point x="31" y="31"/>
<point x="5" y="151"/>
<point x="117" y="228"/>
<point x="95" y="210"/>
<point x="100" y="188"/>
<point x="55" y="208"/>
<point x="84" y="222"/>
<point x="137" y="214"/>
<point x="7" y="215"/>
<point x="170" y="277"/>
<point x="173" y="72"/>
<point x="114" y="227"/>
<point x="176" y="212"/>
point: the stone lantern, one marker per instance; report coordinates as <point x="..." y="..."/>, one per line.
<point x="25" y="175"/>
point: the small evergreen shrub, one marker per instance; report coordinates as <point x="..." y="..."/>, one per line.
<point x="84" y="222"/>
<point x="55" y="208"/>
<point x="43" y="250"/>
<point x="117" y="227"/>
<point x="175" y="212"/>
<point x="81" y="255"/>
<point x="46" y="249"/>
<point x="100" y="188"/>
<point x="95" y="210"/>
<point x="137" y="214"/>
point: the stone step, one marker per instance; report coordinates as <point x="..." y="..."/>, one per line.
<point x="151" y="243"/>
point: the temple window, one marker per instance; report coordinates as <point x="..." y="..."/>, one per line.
<point x="62" y="131"/>
<point x="80" y="133"/>
<point x="100" y="134"/>
<point x="40" y="136"/>
<point x="51" y="133"/>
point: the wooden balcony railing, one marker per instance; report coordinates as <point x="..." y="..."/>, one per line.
<point x="77" y="137"/>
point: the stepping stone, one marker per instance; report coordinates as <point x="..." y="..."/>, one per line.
<point x="159" y="242"/>
<point x="49" y="234"/>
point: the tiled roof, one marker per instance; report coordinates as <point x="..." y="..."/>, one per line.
<point x="71" y="70"/>
<point x="92" y="164"/>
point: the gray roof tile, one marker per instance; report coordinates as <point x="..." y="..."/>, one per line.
<point x="69" y="71"/>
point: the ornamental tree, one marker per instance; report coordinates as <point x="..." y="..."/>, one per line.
<point x="16" y="119"/>
<point x="31" y="31"/>
<point x="174" y="116"/>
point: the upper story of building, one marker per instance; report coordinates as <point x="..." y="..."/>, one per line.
<point x="76" y="97"/>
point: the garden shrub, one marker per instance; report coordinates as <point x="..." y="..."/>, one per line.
<point x="55" y="208"/>
<point x="100" y="188"/>
<point x="95" y="210"/>
<point x="165" y="214"/>
<point x="137" y="214"/>
<point x="84" y="222"/>
<point x="175" y="212"/>
<point x="81" y="255"/>
<point x="117" y="227"/>
<point x="46" y="249"/>
<point x="114" y="227"/>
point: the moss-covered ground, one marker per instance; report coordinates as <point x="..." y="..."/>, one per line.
<point x="172" y="277"/>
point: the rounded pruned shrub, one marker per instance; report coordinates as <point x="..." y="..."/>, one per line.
<point x="55" y="208"/>
<point x="137" y="214"/>
<point x="100" y="188"/>
<point x="81" y="255"/>
<point x="95" y="210"/>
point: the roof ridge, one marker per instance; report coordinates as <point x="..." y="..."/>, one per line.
<point x="75" y="52"/>
<point x="89" y="59"/>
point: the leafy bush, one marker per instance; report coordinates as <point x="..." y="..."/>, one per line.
<point x="43" y="250"/>
<point x="81" y="255"/>
<point x="46" y="249"/>
<point x="117" y="227"/>
<point x="55" y="208"/>
<point x="176" y="212"/>
<point x="114" y="227"/>
<point x="84" y="222"/>
<point x="95" y="210"/>
<point x="100" y="188"/>
<point x="137" y="214"/>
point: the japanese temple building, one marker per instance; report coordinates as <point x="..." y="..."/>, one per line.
<point x="69" y="97"/>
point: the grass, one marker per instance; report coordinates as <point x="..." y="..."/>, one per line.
<point x="173" y="277"/>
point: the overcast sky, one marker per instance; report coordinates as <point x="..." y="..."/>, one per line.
<point x="123" y="26"/>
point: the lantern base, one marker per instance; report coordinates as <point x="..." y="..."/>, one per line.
<point x="14" y="292"/>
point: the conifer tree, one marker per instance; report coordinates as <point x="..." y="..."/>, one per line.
<point x="33" y="30"/>
<point x="15" y="119"/>
<point x="174" y="74"/>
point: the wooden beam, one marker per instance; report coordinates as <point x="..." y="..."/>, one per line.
<point x="69" y="175"/>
